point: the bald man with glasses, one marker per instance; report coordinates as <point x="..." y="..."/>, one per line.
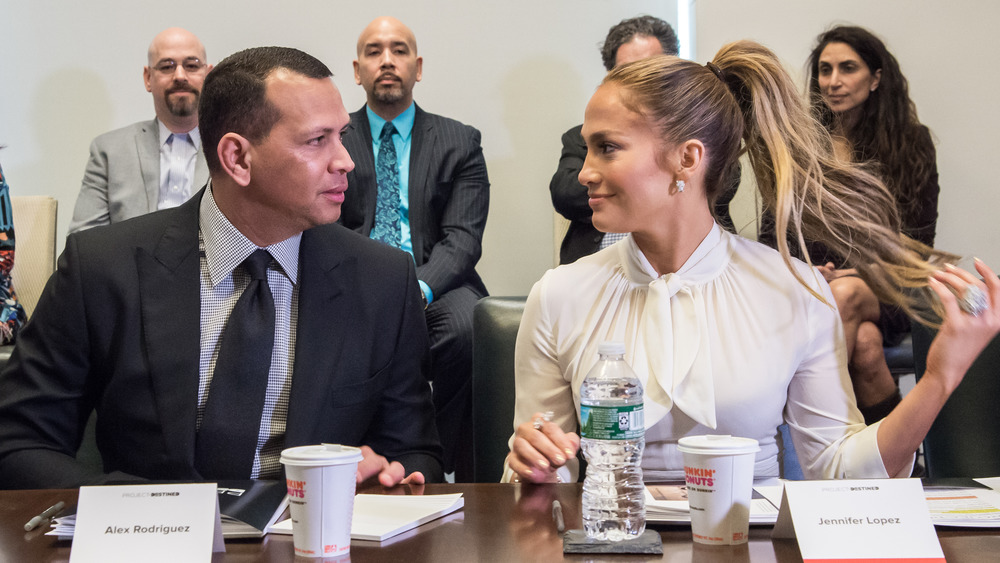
<point x="156" y="164"/>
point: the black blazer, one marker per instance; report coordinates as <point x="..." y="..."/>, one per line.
<point x="117" y="330"/>
<point x="569" y="197"/>
<point x="449" y="195"/>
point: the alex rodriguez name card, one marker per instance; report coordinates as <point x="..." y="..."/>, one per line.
<point x="869" y="520"/>
<point x="147" y="523"/>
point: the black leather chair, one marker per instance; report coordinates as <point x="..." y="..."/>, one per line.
<point x="495" y="323"/>
<point x="900" y="357"/>
<point x="964" y="441"/>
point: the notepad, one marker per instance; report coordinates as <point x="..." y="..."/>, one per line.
<point x="249" y="508"/>
<point x="667" y="504"/>
<point x="380" y="517"/>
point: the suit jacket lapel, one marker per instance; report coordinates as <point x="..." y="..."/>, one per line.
<point x="422" y="144"/>
<point x="362" y="178"/>
<point x="170" y="291"/>
<point x="147" y="144"/>
<point x="323" y="324"/>
<point x="200" y="171"/>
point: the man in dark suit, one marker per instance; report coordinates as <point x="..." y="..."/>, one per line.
<point x="135" y="324"/>
<point x="627" y="41"/>
<point x="427" y="192"/>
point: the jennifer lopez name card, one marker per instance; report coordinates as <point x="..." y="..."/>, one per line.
<point x="878" y="519"/>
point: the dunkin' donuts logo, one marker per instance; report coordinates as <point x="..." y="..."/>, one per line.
<point x="699" y="476"/>
<point x="296" y="489"/>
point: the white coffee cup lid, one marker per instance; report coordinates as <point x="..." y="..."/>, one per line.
<point x="324" y="454"/>
<point x="712" y="444"/>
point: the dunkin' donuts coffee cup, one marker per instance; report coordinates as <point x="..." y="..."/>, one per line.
<point x="718" y="471"/>
<point x="321" y="481"/>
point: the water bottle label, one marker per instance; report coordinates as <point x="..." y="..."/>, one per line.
<point x="612" y="423"/>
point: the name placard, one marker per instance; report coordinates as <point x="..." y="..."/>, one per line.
<point x="147" y="523"/>
<point x="870" y="520"/>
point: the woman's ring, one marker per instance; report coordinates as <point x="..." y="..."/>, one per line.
<point x="540" y="421"/>
<point x="973" y="300"/>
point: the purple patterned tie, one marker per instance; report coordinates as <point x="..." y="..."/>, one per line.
<point x="386" y="228"/>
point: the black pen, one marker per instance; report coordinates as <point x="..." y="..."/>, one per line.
<point x="557" y="515"/>
<point x="45" y="515"/>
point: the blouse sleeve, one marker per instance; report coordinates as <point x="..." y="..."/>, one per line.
<point x="829" y="433"/>
<point x="539" y="383"/>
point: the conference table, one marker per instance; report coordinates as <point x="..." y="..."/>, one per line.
<point x="500" y="522"/>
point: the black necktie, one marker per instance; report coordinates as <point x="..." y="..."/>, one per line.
<point x="230" y="423"/>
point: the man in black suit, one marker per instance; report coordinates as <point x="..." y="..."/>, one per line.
<point x="627" y="41"/>
<point x="135" y="322"/>
<point x="427" y="192"/>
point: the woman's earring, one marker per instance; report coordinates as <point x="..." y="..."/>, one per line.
<point x="680" y="185"/>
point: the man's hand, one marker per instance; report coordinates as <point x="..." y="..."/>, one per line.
<point x="389" y="474"/>
<point x="830" y="272"/>
<point x="827" y="270"/>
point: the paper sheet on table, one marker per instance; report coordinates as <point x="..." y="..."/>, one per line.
<point x="991" y="482"/>
<point x="949" y="506"/>
<point x="668" y="504"/>
<point x="380" y="517"/>
<point x="965" y="507"/>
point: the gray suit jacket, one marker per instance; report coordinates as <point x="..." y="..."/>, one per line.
<point x="122" y="179"/>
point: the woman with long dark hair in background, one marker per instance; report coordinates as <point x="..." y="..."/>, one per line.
<point x="859" y="93"/>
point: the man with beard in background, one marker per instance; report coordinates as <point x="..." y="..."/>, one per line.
<point x="154" y="164"/>
<point x="420" y="184"/>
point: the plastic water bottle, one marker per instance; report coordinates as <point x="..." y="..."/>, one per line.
<point x="612" y="437"/>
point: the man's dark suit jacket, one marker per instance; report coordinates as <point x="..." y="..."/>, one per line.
<point x="449" y="194"/>
<point x="117" y="329"/>
<point x="569" y="197"/>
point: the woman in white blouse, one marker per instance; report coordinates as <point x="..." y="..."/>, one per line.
<point x="728" y="336"/>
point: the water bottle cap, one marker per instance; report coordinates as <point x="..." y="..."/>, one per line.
<point x="611" y="348"/>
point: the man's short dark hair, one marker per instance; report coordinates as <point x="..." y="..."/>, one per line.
<point x="625" y="30"/>
<point x="234" y="96"/>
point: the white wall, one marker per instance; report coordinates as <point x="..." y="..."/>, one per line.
<point x="521" y="71"/>
<point x="946" y="51"/>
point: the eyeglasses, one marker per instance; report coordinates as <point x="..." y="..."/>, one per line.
<point x="169" y="66"/>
